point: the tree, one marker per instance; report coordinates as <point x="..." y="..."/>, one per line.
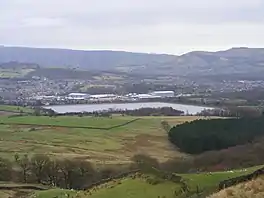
<point x="165" y="125"/>
<point x="38" y="166"/>
<point x="206" y="135"/>
<point x="37" y="111"/>
<point x="5" y="170"/>
<point x="107" y="173"/>
<point x="24" y="164"/>
<point x="145" y="163"/>
<point x="85" y="169"/>
<point x="52" y="171"/>
<point x="84" y="175"/>
<point x="69" y="170"/>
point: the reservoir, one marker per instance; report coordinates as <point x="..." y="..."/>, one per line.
<point x="190" y="109"/>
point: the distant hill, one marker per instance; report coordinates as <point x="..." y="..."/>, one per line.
<point x="18" y="65"/>
<point x="235" y="61"/>
<point x="97" y="60"/>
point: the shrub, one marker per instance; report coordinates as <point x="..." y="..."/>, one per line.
<point x="154" y="180"/>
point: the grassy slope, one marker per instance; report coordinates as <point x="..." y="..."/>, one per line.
<point x="140" y="189"/>
<point x="210" y="181"/>
<point x="251" y="189"/>
<point x="128" y="188"/>
<point x="100" y="146"/>
<point x="137" y="189"/>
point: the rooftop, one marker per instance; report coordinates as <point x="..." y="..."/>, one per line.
<point x="78" y="94"/>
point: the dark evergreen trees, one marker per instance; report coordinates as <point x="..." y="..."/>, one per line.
<point x="205" y="135"/>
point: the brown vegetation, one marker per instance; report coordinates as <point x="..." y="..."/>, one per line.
<point x="251" y="189"/>
<point x="223" y="160"/>
<point x="68" y="174"/>
<point x="40" y="169"/>
<point x="233" y="181"/>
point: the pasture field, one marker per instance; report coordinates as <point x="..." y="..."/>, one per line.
<point x="138" y="188"/>
<point x="15" y="109"/>
<point x="117" y="141"/>
<point x="210" y="181"/>
<point x="115" y="145"/>
<point x="132" y="188"/>
<point x="66" y="121"/>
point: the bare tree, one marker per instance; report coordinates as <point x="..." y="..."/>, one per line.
<point x="68" y="169"/>
<point x="146" y="163"/>
<point x="24" y="164"/>
<point x="52" y="171"/>
<point x="38" y="164"/>
<point x="5" y="170"/>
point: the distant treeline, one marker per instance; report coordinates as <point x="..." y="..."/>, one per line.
<point x="231" y="111"/>
<point x="77" y="174"/>
<point x="62" y="173"/>
<point x="164" y="111"/>
<point x="205" y="135"/>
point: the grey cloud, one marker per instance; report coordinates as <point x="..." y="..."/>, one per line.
<point x="196" y="16"/>
<point x="149" y="25"/>
<point x="126" y="12"/>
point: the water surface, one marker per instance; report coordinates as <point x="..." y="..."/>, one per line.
<point x="191" y="109"/>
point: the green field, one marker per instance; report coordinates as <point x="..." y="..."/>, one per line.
<point x="138" y="188"/>
<point x="211" y="180"/>
<point x="15" y="109"/>
<point x="66" y="121"/>
<point x="127" y="188"/>
<point x="145" y="135"/>
<point x="58" y="137"/>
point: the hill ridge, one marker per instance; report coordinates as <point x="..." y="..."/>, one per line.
<point x="198" y="63"/>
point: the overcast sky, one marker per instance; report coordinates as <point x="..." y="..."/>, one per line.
<point x="157" y="26"/>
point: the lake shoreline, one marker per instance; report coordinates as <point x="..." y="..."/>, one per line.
<point x="137" y="101"/>
<point x="76" y="108"/>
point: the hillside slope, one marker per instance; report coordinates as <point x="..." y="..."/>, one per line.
<point x="238" y="61"/>
<point x="254" y="188"/>
<point x="98" y="60"/>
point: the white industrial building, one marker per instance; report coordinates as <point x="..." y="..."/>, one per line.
<point x="144" y="96"/>
<point x="78" y="96"/>
<point x="103" y="97"/>
<point x="163" y="94"/>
